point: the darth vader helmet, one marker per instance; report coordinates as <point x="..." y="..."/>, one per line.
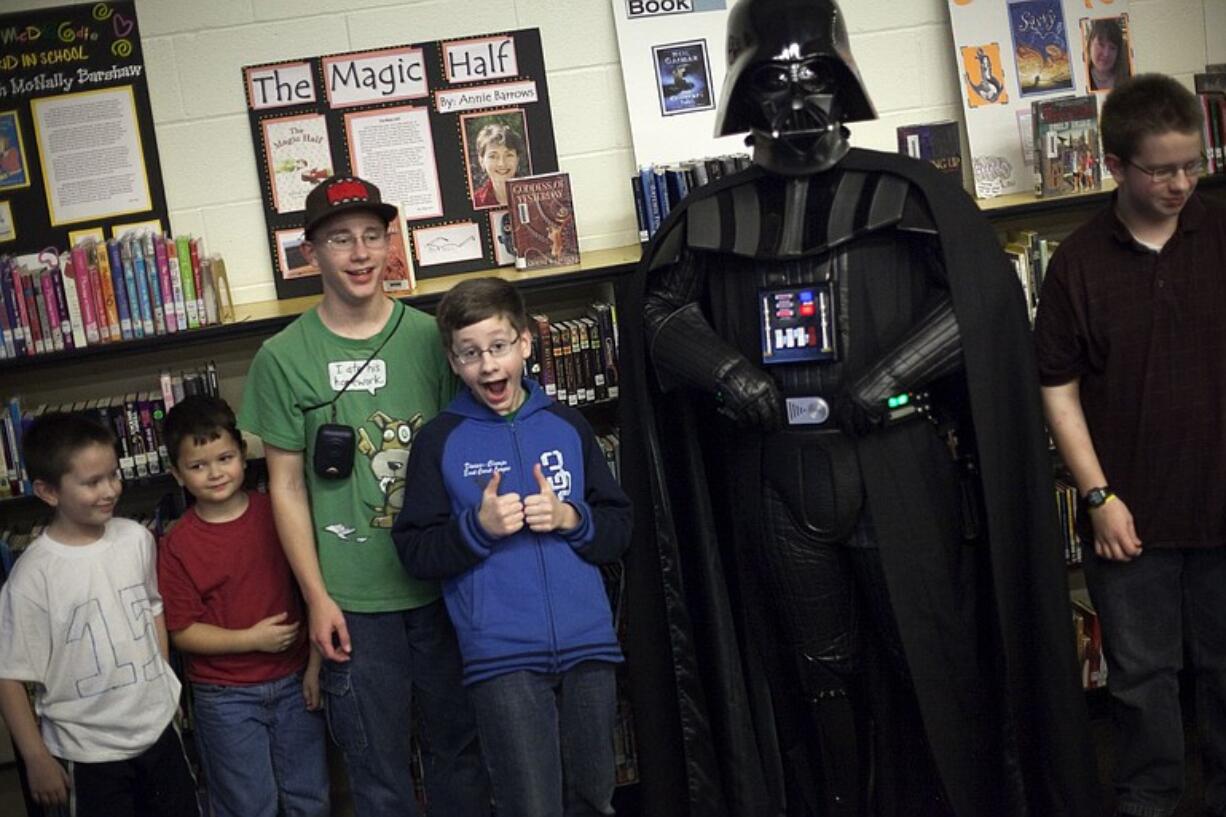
<point x="792" y="83"/>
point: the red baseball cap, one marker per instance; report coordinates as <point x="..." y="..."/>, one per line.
<point x="343" y="194"/>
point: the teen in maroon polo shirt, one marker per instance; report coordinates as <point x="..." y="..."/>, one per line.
<point x="1132" y="358"/>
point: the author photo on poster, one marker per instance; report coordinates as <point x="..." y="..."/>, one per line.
<point x="683" y="77"/>
<point x="495" y="150"/>
<point x="1108" y="51"/>
<point x="14" y="172"/>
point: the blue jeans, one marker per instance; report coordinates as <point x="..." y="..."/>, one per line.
<point x="259" y="747"/>
<point x="1151" y="609"/>
<point x="395" y="657"/>
<point x="548" y="740"/>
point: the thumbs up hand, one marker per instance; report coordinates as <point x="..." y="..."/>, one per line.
<point x="499" y="515"/>
<point x="544" y="512"/>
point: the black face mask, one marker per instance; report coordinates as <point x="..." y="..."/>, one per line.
<point x="797" y="127"/>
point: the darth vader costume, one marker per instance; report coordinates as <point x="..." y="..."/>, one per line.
<point x="846" y="594"/>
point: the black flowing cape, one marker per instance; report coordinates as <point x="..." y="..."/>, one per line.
<point x="706" y="726"/>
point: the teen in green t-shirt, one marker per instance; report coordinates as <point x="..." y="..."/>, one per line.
<point x="366" y="362"/>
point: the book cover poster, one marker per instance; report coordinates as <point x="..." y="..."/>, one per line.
<point x="1040" y="47"/>
<point x="683" y="77"/>
<point x="8" y="230"/>
<point x="438" y="126"/>
<point x="982" y="71"/>
<point x="398" y="275"/>
<point x="291" y="260"/>
<point x="1106" y="52"/>
<point x="660" y="136"/>
<point x="299" y="157"/>
<point x="77" y="143"/>
<point x="500" y="237"/>
<point x="543" y="221"/>
<point x="1041" y="53"/>
<point x="935" y="142"/>
<point x="14" y="169"/>
<point x="1066" y="146"/>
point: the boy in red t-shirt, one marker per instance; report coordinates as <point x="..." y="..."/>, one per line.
<point x="232" y="606"/>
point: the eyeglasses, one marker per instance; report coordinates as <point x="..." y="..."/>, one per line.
<point x="472" y="356"/>
<point x="1166" y="173"/>
<point x="344" y="242"/>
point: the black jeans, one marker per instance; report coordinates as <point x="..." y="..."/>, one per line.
<point x="1151" y="609"/>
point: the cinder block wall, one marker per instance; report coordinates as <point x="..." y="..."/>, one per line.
<point x="195" y="49"/>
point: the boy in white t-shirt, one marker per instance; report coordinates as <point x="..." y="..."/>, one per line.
<point x="81" y="619"/>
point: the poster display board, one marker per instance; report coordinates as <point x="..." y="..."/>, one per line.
<point x="673" y="66"/>
<point x="438" y="126"/>
<point x="1011" y="53"/>
<point x="78" y="153"/>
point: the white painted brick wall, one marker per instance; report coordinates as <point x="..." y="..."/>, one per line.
<point x="195" y="49"/>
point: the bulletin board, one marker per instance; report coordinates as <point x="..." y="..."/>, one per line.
<point x="1010" y="53"/>
<point x="78" y="155"/>
<point x="411" y="119"/>
<point x="673" y="60"/>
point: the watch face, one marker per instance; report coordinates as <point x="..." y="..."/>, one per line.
<point x="1096" y="497"/>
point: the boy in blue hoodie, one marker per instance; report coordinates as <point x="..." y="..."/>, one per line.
<point x="513" y="509"/>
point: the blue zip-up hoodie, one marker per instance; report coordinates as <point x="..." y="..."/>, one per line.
<point x="527" y="601"/>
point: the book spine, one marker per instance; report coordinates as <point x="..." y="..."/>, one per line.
<point x="176" y="282"/>
<point x="10" y="306"/>
<point x="144" y="411"/>
<point x="142" y="287"/>
<point x="168" y="395"/>
<point x="651" y="201"/>
<point x="119" y="424"/>
<point x="169" y="309"/>
<point x="6" y="328"/>
<point x="559" y="364"/>
<point x="147" y="272"/>
<point x="608" y="345"/>
<point x="157" y="404"/>
<point x="118" y="288"/>
<point x="125" y="285"/>
<point x="60" y="297"/>
<point x="661" y="188"/>
<point x="98" y="297"/>
<point x="37" y="309"/>
<point x="28" y="320"/>
<point x="596" y="357"/>
<point x="140" y="456"/>
<point x="85" y="294"/>
<point x="549" y="380"/>
<point x="110" y="302"/>
<point x="23" y="477"/>
<point x="48" y="331"/>
<point x="189" y="286"/>
<point x="640" y="209"/>
<point x="193" y="251"/>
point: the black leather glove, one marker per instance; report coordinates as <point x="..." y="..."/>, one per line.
<point x="749" y="397"/>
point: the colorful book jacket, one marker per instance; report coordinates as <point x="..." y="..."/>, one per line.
<point x="1067" y="152"/>
<point x="543" y="221"/>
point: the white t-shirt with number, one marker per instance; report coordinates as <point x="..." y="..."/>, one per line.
<point x="78" y="622"/>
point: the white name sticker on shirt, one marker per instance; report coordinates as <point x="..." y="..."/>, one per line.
<point x="372" y="378"/>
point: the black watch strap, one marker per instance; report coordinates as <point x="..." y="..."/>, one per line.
<point x="1097" y="497"/>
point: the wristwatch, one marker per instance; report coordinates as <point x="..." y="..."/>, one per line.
<point x="1097" y="497"/>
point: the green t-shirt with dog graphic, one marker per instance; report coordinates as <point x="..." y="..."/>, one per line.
<point x="402" y="387"/>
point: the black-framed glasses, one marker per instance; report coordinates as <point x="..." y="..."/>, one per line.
<point x="344" y="242"/>
<point x="1166" y="173"/>
<point x="472" y="355"/>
